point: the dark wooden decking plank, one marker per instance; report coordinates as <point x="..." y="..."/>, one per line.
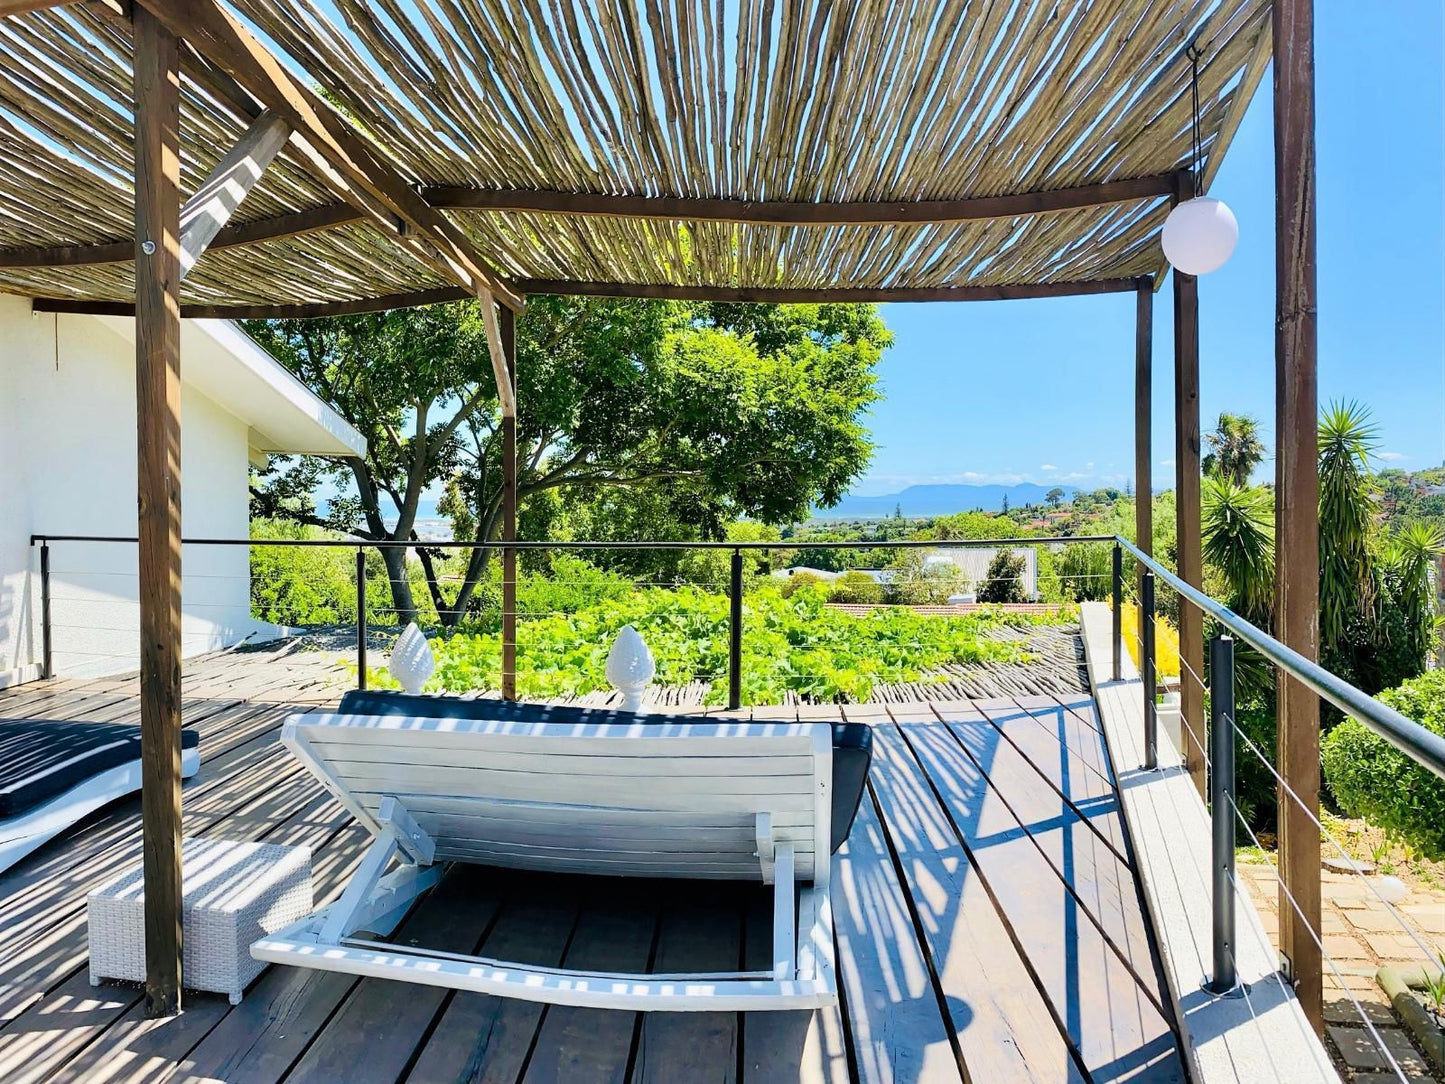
<point x="1108" y="884"/>
<point x="594" y="1046"/>
<point x="1091" y="991"/>
<point x="701" y="931"/>
<point x="484" y="1039"/>
<point x="787" y="1047"/>
<point x="395" y="1017"/>
<point x="1081" y="718"/>
<point x="44" y="926"/>
<point x="101" y="1034"/>
<point x="1001" y="1020"/>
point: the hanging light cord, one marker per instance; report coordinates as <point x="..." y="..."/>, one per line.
<point x="1196" y="140"/>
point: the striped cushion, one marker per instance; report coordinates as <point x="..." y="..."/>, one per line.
<point x="41" y="759"/>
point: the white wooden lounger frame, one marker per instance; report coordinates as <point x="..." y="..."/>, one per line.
<point x="23" y="834"/>
<point x="711" y="799"/>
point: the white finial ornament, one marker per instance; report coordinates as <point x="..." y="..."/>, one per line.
<point x="630" y="667"/>
<point x="411" y="660"/>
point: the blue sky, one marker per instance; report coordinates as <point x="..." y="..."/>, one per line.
<point x="1043" y="390"/>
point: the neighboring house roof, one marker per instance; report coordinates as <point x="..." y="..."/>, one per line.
<point x="226" y="365"/>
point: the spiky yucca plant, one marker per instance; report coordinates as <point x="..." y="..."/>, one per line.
<point x="1347" y="568"/>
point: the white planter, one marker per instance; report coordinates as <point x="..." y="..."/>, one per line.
<point x="1168" y="715"/>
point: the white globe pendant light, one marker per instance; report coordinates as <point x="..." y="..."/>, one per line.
<point x="1200" y="235"/>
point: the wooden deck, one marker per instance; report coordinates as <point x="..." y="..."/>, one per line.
<point x="988" y="921"/>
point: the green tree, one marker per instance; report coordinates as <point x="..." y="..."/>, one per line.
<point x="1237" y="525"/>
<point x="722" y="410"/>
<point x="1347" y="571"/>
<point x="1234" y="448"/>
<point x="1004" y="580"/>
<point x="1054" y="497"/>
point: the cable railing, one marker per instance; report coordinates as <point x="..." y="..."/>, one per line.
<point x="95" y="583"/>
<point x="1215" y="745"/>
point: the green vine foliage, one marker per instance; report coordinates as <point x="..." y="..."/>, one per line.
<point x="793" y="645"/>
<point x="1371" y="779"/>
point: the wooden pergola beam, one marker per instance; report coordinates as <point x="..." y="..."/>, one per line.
<point x="1189" y="543"/>
<point x="644" y="207"/>
<point x="1143" y="422"/>
<point x="1297" y="495"/>
<point x="158" y="475"/>
<point x="786" y="213"/>
<point x="208" y="211"/>
<point x="821" y="295"/>
<point x="767" y="295"/>
<point x="229" y="46"/>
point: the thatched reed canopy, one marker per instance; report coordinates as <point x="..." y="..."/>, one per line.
<point x="896" y="148"/>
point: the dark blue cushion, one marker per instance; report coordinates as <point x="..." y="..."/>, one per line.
<point x="852" y="742"/>
<point x="41" y="759"/>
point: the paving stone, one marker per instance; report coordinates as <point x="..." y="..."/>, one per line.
<point x="1428" y="917"/>
<point x="1394" y="947"/>
<point x="1342" y="1011"/>
<point x="1375" y="920"/>
<point x="1341" y="947"/>
<point x="1359" y="1050"/>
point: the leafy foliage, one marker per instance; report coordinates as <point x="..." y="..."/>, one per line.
<point x="719" y="411"/>
<point x="795" y="644"/>
<point x="1234" y="449"/>
<point x="1371" y="779"/>
<point x="1347" y="582"/>
<point x="300" y="585"/>
<point x="1004" y="580"/>
<point x="1237" y="524"/>
<point x="856" y="587"/>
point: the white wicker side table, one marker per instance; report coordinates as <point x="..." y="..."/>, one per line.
<point x="235" y="893"/>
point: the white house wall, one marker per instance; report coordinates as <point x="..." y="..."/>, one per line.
<point x="68" y="466"/>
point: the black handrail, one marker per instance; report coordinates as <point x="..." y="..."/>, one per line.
<point x="415" y="543"/>
<point x="1412" y="739"/>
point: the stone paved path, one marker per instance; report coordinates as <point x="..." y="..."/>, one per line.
<point x="1360" y="935"/>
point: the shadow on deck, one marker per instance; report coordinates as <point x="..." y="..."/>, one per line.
<point x="988" y="923"/>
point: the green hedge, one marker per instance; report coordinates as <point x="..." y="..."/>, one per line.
<point x="1371" y="779"/>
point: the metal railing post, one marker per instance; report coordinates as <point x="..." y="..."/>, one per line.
<point x="1118" y="609"/>
<point x="46" y="668"/>
<point x="1221" y="807"/>
<point x="735" y="635"/>
<point x="1146" y="671"/>
<point x="360" y="618"/>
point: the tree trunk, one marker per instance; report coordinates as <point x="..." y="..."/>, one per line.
<point x="401" y="598"/>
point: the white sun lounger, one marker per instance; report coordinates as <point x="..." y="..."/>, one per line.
<point x="730" y="800"/>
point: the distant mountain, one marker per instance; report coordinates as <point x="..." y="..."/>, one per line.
<point x="940" y="500"/>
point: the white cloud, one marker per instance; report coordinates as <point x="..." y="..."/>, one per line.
<point x="1166" y="462"/>
<point x="1391" y="457"/>
<point x="1088" y="466"/>
<point x="1047" y="466"/>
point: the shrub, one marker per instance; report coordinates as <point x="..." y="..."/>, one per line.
<point x="301" y="585"/>
<point x="920" y="582"/>
<point x="857" y="587"/>
<point x="1004" y="580"/>
<point x="1086" y="570"/>
<point x="1370" y="778"/>
<point x="799" y="580"/>
<point x="1166" y="641"/>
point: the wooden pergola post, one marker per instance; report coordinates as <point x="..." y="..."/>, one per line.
<point x="158" y="483"/>
<point x="1186" y="507"/>
<point x="1143" y="422"/>
<point x="508" y="335"/>
<point x="1296" y="492"/>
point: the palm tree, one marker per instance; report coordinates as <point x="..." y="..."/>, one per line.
<point x="1237" y="525"/>
<point x="1411" y="555"/>
<point x="1234" y="448"/>
<point x="1347" y="566"/>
